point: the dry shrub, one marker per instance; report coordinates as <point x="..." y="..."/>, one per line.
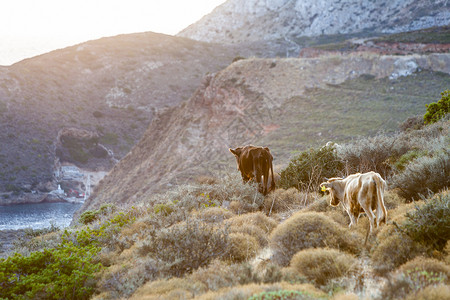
<point x="122" y="280"/>
<point x="257" y="219"/>
<point x="174" y="288"/>
<point x="447" y="252"/>
<point x="341" y="217"/>
<point x="284" y="200"/>
<point x="203" y="179"/>
<point x="320" y="205"/>
<point x="393" y="251"/>
<point x="136" y="229"/>
<point x="345" y="296"/>
<point x="242" y="247"/>
<point x="431" y="292"/>
<point x="322" y="265"/>
<point x="414" y="276"/>
<point x="429" y="265"/>
<point x="219" y="274"/>
<point x="185" y="246"/>
<point x="393" y="200"/>
<point x="253" y="231"/>
<point x="423" y="175"/>
<point x="244" y="292"/>
<point x="214" y="214"/>
<point x="310" y="230"/>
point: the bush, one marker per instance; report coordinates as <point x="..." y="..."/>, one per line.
<point x="64" y="272"/>
<point x="431" y="292"/>
<point x="423" y="175"/>
<point x="282" y="200"/>
<point x="322" y="265"/>
<point x="186" y="246"/>
<point x="414" y="276"/>
<point x="436" y="111"/>
<point x="214" y="214"/>
<point x="394" y="251"/>
<point x="412" y="123"/>
<point x="242" y="247"/>
<point x="257" y="219"/>
<point x="282" y="294"/>
<point x="307" y="170"/>
<point x="310" y="230"/>
<point x="253" y="231"/>
<point x="429" y="224"/>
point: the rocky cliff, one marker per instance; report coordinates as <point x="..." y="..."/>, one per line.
<point x="241" y="21"/>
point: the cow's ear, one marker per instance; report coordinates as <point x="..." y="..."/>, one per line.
<point x="236" y="151"/>
<point x="265" y="148"/>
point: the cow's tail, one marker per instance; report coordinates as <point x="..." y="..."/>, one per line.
<point x="272" y="185"/>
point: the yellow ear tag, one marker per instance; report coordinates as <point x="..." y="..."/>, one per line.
<point x="323" y="188"/>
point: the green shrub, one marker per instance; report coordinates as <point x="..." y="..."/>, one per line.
<point x="322" y="265"/>
<point x="436" y="111"/>
<point x="282" y="295"/>
<point x="429" y="224"/>
<point x="64" y="272"/>
<point x="310" y="230"/>
<point x="423" y="175"/>
<point x="307" y="170"/>
<point x="186" y="246"/>
<point x="407" y="158"/>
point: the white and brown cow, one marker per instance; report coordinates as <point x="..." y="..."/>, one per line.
<point x="359" y="193"/>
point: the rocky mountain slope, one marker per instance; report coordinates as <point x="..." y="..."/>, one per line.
<point x="88" y="104"/>
<point x="243" y="21"/>
<point x="286" y="104"/>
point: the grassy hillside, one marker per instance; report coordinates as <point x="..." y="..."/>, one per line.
<point x="220" y="239"/>
<point x="358" y="107"/>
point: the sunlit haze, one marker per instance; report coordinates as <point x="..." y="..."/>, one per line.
<point x="33" y="27"/>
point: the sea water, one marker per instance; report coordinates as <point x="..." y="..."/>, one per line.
<point x="37" y="216"/>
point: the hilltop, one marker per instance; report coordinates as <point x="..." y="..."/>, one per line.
<point x="88" y="105"/>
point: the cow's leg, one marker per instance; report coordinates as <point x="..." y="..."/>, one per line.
<point x="364" y="198"/>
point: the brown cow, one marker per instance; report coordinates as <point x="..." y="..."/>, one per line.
<point x="359" y="193"/>
<point x="255" y="162"/>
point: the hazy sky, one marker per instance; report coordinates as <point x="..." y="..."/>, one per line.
<point x="32" y="27"/>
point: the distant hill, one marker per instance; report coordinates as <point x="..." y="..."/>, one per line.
<point x="107" y="91"/>
<point x="243" y="21"/>
<point x="286" y="104"/>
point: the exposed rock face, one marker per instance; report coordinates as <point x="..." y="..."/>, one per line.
<point x="238" y="21"/>
<point x="81" y="147"/>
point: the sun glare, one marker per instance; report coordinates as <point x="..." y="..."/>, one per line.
<point x="55" y="23"/>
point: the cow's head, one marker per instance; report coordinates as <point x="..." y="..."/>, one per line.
<point x="333" y="186"/>
<point x="237" y="153"/>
